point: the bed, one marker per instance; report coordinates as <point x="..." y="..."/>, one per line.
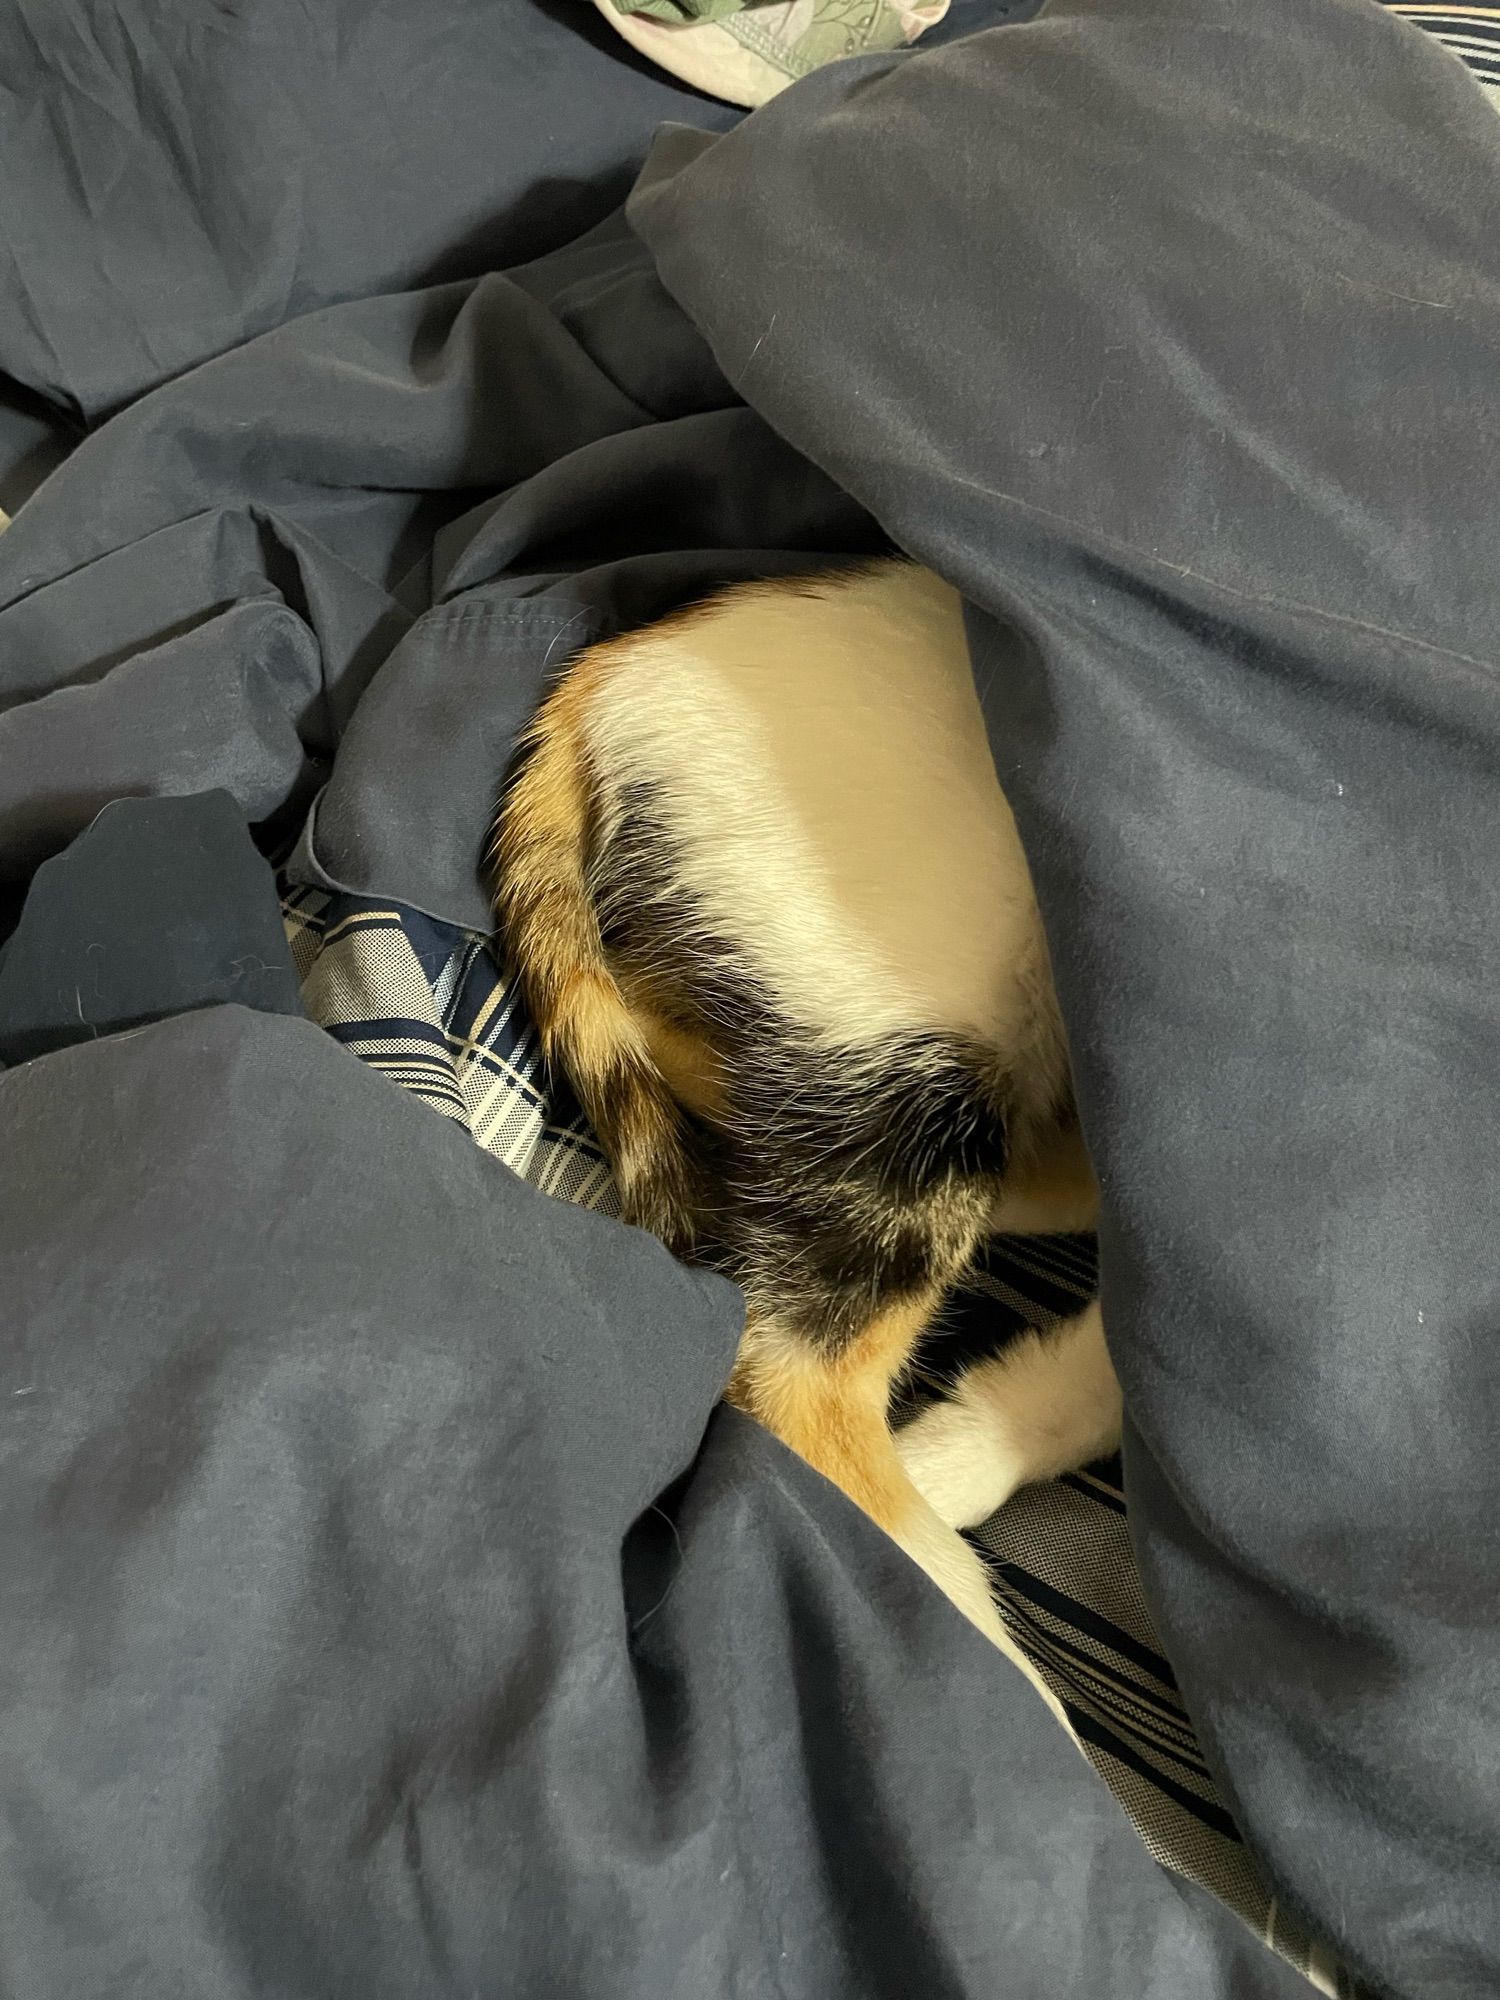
<point x="389" y="1603"/>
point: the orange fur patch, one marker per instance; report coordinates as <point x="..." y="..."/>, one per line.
<point x="586" y="1023"/>
<point x="694" y="1072"/>
<point x="832" y="1410"/>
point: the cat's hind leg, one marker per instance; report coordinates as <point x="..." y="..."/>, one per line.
<point x="1049" y="1403"/>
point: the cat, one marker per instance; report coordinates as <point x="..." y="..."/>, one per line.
<point x="770" y="912"/>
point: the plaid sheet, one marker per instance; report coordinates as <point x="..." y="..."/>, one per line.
<point x="425" y="1004"/>
<point x="1472" y="32"/>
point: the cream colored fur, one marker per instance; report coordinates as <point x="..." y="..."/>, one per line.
<point x="863" y="860"/>
<point x="1049" y="1403"/>
<point x="865" y="863"/>
<point x="817" y="760"/>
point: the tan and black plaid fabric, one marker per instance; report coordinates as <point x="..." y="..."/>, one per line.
<point x="1472" y="33"/>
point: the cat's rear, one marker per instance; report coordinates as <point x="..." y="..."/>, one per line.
<point x="772" y="916"/>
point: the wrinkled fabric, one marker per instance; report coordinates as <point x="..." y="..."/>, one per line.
<point x="161" y="906"/>
<point x="177" y="178"/>
<point x="386" y="1610"/>
<point x="455" y="487"/>
<point x="1203" y="422"/>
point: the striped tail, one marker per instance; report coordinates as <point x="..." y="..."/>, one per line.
<point x="540" y="857"/>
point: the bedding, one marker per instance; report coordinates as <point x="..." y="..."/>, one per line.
<point x="389" y="1606"/>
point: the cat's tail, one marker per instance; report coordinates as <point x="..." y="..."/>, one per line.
<point x="541" y="872"/>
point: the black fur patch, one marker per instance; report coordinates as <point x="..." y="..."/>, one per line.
<point x="876" y="1187"/>
<point x="837" y="1181"/>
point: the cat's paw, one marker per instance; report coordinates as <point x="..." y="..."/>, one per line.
<point x="953" y="1458"/>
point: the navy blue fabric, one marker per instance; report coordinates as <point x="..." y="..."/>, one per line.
<point x="161" y="906"/>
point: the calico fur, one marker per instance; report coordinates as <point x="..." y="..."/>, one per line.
<point x="771" y="915"/>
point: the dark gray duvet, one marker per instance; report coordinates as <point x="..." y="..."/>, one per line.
<point x="385" y="1607"/>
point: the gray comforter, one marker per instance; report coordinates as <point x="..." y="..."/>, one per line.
<point x="385" y="1607"/>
